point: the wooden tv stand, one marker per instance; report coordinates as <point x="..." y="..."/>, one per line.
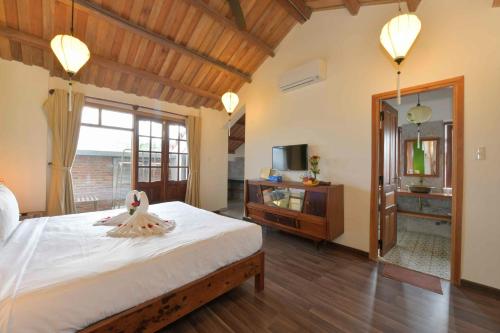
<point x="314" y="212"/>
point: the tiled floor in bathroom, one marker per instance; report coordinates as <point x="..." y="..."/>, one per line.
<point x="422" y="252"/>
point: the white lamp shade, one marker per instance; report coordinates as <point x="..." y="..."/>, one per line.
<point x="230" y="100"/>
<point x="419" y="114"/>
<point x="71" y="52"/>
<point x="399" y="34"/>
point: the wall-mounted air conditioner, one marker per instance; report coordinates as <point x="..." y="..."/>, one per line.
<point x="306" y="74"/>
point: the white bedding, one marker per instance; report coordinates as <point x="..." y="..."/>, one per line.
<point x="61" y="274"/>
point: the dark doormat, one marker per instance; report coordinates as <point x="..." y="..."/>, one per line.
<point x="417" y="279"/>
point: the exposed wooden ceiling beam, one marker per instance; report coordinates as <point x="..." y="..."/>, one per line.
<point x="496" y="3"/>
<point x="38" y="42"/>
<point x="412" y="5"/>
<point x="160" y="39"/>
<point x="297" y="8"/>
<point x="250" y="38"/>
<point x="238" y="14"/>
<point x="352" y="6"/>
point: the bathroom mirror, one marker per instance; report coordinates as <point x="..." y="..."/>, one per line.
<point x="423" y="160"/>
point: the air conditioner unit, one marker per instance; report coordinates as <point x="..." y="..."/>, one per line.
<point x="304" y="75"/>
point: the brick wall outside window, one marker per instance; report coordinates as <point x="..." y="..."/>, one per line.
<point x="94" y="174"/>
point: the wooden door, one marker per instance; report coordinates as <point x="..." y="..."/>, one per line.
<point x="150" y="159"/>
<point x="176" y="161"/>
<point x="388" y="179"/>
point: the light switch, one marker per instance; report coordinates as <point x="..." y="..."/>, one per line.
<point x="480" y="153"/>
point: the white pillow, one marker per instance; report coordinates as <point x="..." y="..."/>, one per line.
<point x="9" y="213"/>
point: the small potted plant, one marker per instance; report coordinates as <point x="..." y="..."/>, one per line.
<point x="314" y="161"/>
<point x="313" y="170"/>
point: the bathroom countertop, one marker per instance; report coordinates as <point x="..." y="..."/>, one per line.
<point x="431" y="195"/>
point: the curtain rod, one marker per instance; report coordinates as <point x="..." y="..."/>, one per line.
<point x="135" y="107"/>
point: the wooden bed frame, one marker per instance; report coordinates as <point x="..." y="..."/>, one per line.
<point x="157" y="313"/>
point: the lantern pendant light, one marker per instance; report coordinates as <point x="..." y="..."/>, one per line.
<point x="71" y="52"/>
<point x="417" y="115"/>
<point x="398" y="36"/>
<point x="230" y="101"/>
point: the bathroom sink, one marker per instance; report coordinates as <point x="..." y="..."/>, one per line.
<point x="419" y="188"/>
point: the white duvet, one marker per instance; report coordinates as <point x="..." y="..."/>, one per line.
<point x="61" y="274"/>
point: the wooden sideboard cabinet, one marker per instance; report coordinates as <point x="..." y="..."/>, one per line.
<point x="314" y="212"/>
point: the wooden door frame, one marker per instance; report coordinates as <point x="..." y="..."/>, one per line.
<point x="457" y="84"/>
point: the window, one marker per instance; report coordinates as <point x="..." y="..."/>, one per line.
<point x="150" y="142"/>
<point x="177" y="152"/>
<point x="102" y="167"/>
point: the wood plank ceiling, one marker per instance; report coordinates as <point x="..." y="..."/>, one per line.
<point x="236" y="135"/>
<point x="187" y="52"/>
<point x="353" y="6"/>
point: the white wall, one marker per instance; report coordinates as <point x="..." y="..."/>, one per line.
<point x="23" y="133"/>
<point x="214" y="134"/>
<point x="459" y="37"/>
<point x="24" y="143"/>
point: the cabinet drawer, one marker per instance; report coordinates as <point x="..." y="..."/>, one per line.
<point x="281" y="219"/>
<point x="255" y="212"/>
<point x="313" y="228"/>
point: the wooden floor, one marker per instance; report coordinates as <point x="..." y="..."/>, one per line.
<point x="330" y="290"/>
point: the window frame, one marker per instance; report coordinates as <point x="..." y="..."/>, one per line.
<point x="137" y="116"/>
<point x="106" y="108"/>
<point x="99" y="125"/>
<point x="178" y="153"/>
<point x="150" y="151"/>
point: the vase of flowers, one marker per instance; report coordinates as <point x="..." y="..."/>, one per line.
<point x="310" y="178"/>
<point x="314" y="162"/>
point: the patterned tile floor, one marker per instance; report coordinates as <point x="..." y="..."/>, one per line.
<point x="422" y="252"/>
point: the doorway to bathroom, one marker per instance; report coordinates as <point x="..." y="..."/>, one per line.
<point x="236" y="169"/>
<point x="417" y="169"/>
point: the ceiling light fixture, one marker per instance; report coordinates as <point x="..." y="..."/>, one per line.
<point x="230" y="101"/>
<point x="417" y="115"/>
<point x="71" y="52"/>
<point x="398" y="36"/>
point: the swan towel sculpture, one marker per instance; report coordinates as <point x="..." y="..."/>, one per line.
<point x="136" y="222"/>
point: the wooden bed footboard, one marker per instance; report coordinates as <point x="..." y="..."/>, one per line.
<point x="157" y="313"/>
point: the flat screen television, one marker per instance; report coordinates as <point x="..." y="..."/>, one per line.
<point x="290" y="158"/>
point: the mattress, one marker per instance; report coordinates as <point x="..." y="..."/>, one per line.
<point x="62" y="274"/>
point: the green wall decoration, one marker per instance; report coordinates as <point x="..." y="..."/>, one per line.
<point x="418" y="159"/>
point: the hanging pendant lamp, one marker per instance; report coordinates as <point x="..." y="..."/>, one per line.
<point x="398" y="36"/>
<point x="417" y="115"/>
<point x="230" y="101"/>
<point x="71" y="52"/>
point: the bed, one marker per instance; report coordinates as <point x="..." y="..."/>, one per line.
<point x="62" y="274"/>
